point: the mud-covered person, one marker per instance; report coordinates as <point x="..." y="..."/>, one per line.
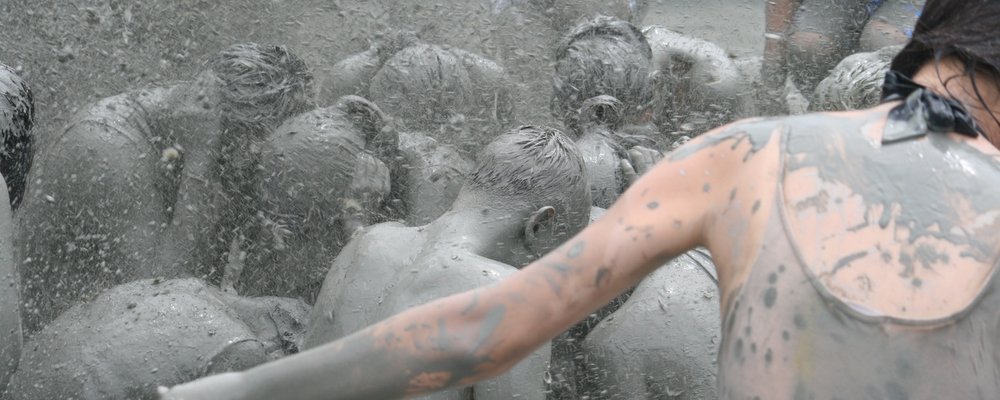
<point x="17" y="117"/>
<point x="662" y="342"/>
<point x="446" y="103"/>
<point x="138" y="335"/>
<point x="856" y="82"/>
<point x="526" y="34"/>
<point x="323" y="175"/>
<point x="698" y="85"/>
<point x="805" y="39"/>
<point x="152" y="182"/>
<point x="602" y="84"/>
<point x="864" y="242"/>
<point x="526" y="195"/>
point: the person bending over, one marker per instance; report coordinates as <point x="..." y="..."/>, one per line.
<point x="527" y="194"/>
<point x="858" y="249"/>
<point x="143" y="333"/>
<point x="446" y="103"/>
<point x="698" y="86"/>
<point x="662" y="342"/>
<point x="601" y="88"/>
<point x="154" y="182"/>
<point x="323" y="175"/>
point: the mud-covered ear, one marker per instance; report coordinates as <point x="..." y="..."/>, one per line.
<point x="539" y="228"/>
<point x="372" y="122"/>
<point x="602" y="110"/>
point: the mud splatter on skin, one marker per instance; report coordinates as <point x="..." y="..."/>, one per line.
<point x="770" y="296"/>
<point x="915" y="193"/>
<point x="800" y="321"/>
<point x="603" y="274"/>
<point x="757" y="133"/>
<point x="844" y="262"/>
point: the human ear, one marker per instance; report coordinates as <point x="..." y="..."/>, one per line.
<point x="538" y="228"/>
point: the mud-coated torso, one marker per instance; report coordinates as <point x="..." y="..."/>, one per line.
<point x="837" y="310"/>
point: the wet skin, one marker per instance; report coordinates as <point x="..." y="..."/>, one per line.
<point x="698" y="84"/>
<point x="137" y="335"/>
<point x="433" y="175"/>
<point x="441" y="128"/>
<point x="321" y="177"/>
<point x="370" y="281"/>
<point x="663" y="342"/>
<point x="710" y="192"/>
<point x="155" y="151"/>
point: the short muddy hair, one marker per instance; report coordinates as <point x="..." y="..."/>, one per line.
<point x="602" y="56"/>
<point x="534" y="165"/>
<point x="426" y="85"/>
<point x="261" y="86"/>
<point x="17" y="142"/>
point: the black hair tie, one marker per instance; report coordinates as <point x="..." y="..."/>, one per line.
<point x="922" y="111"/>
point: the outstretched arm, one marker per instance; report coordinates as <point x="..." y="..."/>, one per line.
<point x="475" y="335"/>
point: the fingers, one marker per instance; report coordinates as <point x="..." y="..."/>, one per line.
<point x="643" y="159"/>
<point x="628" y="172"/>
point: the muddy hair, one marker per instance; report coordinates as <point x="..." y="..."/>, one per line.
<point x="422" y="85"/>
<point x="855" y="83"/>
<point x="534" y="165"/>
<point x="260" y="86"/>
<point x="602" y="56"/>
<point x="17" y="142"/>
<point x="963" y="29"/>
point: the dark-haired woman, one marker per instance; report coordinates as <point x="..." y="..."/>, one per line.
<point x="131" y="188"/>
<point x="856" y="253"/>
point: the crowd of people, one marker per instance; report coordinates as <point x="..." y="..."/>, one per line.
<point x="387" y="226"/>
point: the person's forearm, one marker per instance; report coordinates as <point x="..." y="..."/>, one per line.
<point x="193" y="213"/>
<point x="446" y="343"/>
<point x="778" y="23"/>
<point x="779" y="14"/>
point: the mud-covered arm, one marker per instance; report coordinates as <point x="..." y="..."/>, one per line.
<point x="194" y="209"/>
<point x="478" y="334"/>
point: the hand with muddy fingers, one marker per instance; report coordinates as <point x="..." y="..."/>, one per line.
<point x="225" y="386"/>
<point x="370" y="185"/>
<point x="640" y="160"/>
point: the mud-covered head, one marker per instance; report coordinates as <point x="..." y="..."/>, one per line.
<point x="965" y="30"/>
<point x="855" y="83"/>
<point x="601" y="111"/>
<point x="452" y="95"/>
<point x="539" y="171"/>
<point x="17" y="116"/>
<point x="602" y="56"/>
<point x="261" y="85"/>
<point x="566" y="13"/>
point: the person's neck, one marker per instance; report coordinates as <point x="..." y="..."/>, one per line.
<point x="949" y="78"/>
<point x="478" y="228"/>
